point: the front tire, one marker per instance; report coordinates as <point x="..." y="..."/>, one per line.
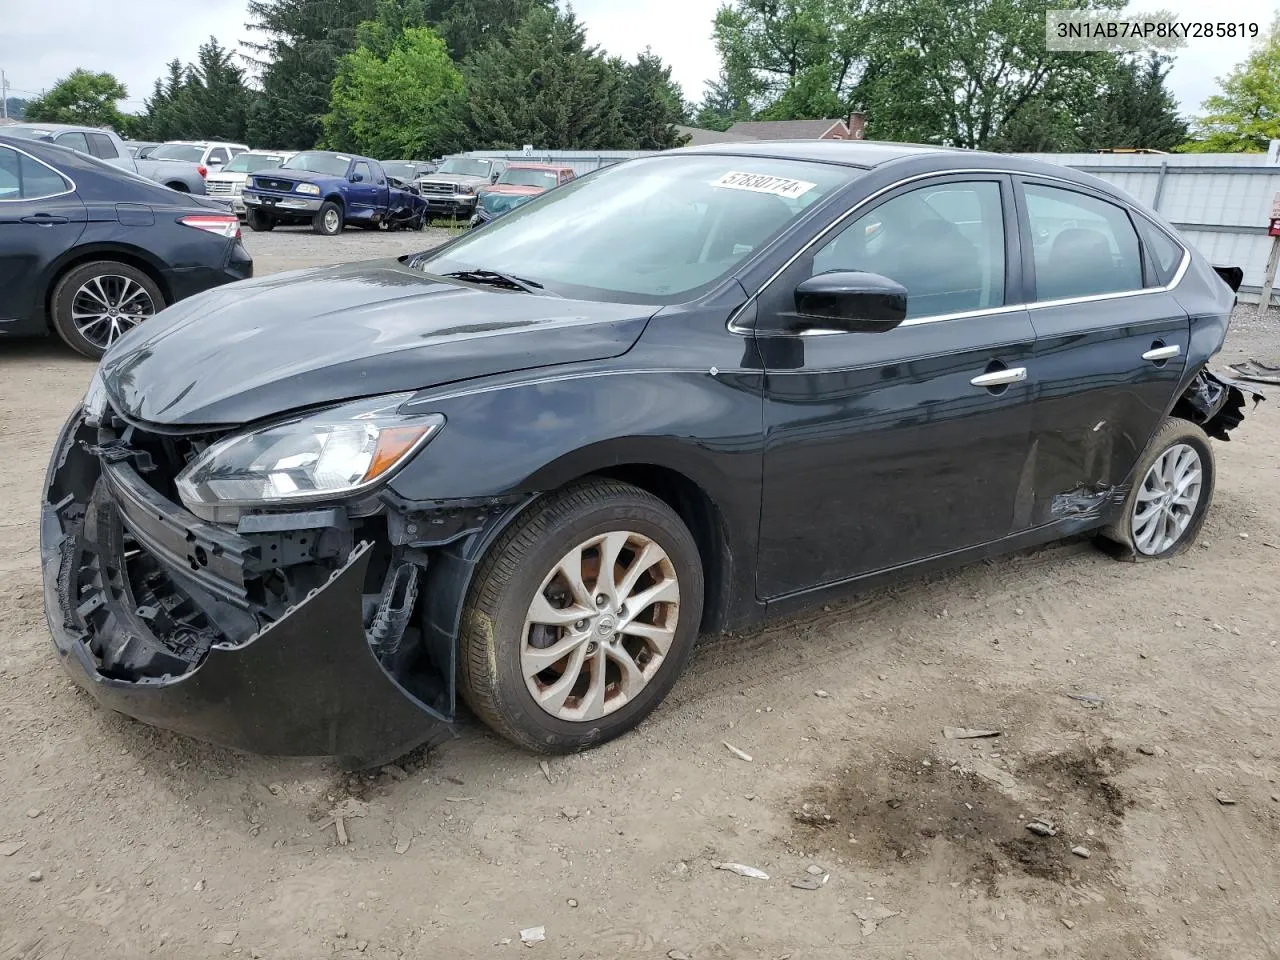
<point x="97" y="303"/>
<point x="581" y="617"/>
<point x="1172" y="491"/>
<point x="259" y="222"/>
<point x="328" y="219"/>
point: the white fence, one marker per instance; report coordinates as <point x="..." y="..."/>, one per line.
<point x="1220" y="201"/>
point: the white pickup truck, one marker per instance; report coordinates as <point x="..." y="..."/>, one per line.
<point x="179" y="175"/>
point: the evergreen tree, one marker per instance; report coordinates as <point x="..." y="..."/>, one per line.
<point x="652" y="104"/>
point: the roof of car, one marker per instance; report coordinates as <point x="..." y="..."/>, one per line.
<point x="856" y="153"/>
<point x="537" y="166"/>
<point x="36" y="125"/>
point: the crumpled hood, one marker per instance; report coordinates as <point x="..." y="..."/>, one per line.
<point x="260" y="347"/>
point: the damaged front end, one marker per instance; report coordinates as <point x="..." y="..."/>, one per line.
<point x="327" y="631"/>
<point x="1216" y="403"/>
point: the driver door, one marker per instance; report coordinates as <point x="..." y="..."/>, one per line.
<point x="886" y="448"/>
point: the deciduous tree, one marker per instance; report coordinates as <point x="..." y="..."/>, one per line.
<point x="80" y="97"/>
<point x="1245" y="116"/>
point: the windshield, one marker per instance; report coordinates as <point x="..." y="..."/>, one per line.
<point x="527" y="177"/>
<point x="657" y="230"/>
<point x="330" y="164"/>
<point x="464" y="167"/>
<point x="249" y="162"/>
<point x="401" y="171"/>
<point x="177" y="151"/>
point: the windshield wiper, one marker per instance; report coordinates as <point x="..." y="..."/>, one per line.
<point x="495" y="278"/>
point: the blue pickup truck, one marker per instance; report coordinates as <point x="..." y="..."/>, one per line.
<point x="330" y="191"/>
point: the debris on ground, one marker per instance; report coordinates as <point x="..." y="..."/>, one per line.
<point x="570" y="813"/>
<point x="742" y="870"/>
<point x="199" y="886"/>
<point x="1151" y="750"/>
<point x="872" y="917"/>
<point x="1088" y="699"/>
<point x="740" y="754"/>
<point x="572" y="902"/>
<point x="821" y="694"/>
<point x="395" y="772"/>
<point x="225" y="937"/>
<point x="35" y="876"/>
<point x="402" y="834"/>
<point x="814" y="870"/>
<point x="967" y="733"/>
<point x="34" y="812"/>
<point x="1225" y="799"/>
<point x="678" y="955"/>
<point x="348" y="809"/>
<point x="1042" y="828"/>
<point x="1082" y="852"/>
<point x="1256" y="371"/>
<point x="811" y="883"/>
<point x="546" y="770"/>
<point x="9" y="848"/>
<point x="989" y="771"/>
<point x="531" y="935"/>
<point x="1068" y="924"/>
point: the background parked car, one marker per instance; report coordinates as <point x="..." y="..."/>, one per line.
<point x="225" y="185"/>
<point x="408" y="170"/>
<point x="180" y="175"/>
<point x="140" y="149"/>
<point x="91" y="250"/>
<point x="329" y="190"/>
<point x="210" y="154"/>
<point x="518" y="184"/>
<point x="452" y="188"/>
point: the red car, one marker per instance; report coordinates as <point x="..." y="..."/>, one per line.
<point x="518" y="183"/>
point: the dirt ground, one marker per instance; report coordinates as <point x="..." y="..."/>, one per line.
<point x="148" y="844"/>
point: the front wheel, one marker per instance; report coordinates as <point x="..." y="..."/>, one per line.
<point x="581" y="617"/>
<point x="328" y="219"/>
<point x="259" y="222"/>
<point x="1172" y="490"/>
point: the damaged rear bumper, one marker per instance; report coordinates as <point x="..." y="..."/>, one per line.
<point x="152" y="611"/>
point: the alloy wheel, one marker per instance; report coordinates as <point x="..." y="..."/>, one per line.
<point x="107" y="306"/>
<point x="1167" y="500"/>
<point x="331" y="221"/>
<point x="599" y="626"/>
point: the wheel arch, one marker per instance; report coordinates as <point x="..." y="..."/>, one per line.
<point x="79" y="256"/>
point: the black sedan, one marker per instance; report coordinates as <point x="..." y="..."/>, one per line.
<point x="91" y="251"/>
<point x="303" y="515"/>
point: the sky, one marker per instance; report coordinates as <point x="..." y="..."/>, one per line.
<point x="36" y="50"/>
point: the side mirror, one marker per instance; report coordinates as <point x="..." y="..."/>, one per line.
<point x="849" y="302"/>
<point x="493" y="177"/>
<point x="357" y="178"/>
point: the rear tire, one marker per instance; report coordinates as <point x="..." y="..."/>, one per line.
<point x="96" y="303"/>
<point x="634" y="653"/>
<point x="1171" y="494"/>
<point x="259" y="222"/>
<point x="328" y="219"/>
<point x="179" y="186"/>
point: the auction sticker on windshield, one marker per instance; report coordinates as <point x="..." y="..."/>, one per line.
<point x="761" y="183"/>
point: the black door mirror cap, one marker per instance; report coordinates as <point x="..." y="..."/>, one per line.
<point x="849" y="301"/>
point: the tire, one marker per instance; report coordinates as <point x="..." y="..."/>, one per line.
<point x="1178" y="450"/>
<point x="259" y="222"/>
<point x="179" y="186"/>
<point x="495" y="636"/>
<point x="328" y="219"/>
<point x="107" y="285"/>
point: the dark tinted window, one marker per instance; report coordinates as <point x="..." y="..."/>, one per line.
<point x="1083" y="246"/>
<point x="22" y="178"/>
<point x="100" y="145"/>
<point x="74" y="140"/>
<point x="944" y="243"/>
<point x="1165" y="253"/>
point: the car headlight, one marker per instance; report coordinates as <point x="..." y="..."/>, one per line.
<point x="95" y="400"/>
<point x="325" y="455"/>
<point x="310" y="188"/>
<point x="465" y="188"/>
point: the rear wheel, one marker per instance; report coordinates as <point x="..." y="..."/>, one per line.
<point x="1172" y="491"/>
<point x="581" y="617"/>
<point x="259" y="222"/>
<point x="97" y="303"/>
<point x="179" y="186"/>
<point x="328" y="219"/>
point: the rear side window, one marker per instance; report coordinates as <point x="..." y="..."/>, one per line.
<point x="1083" y="246"/>
<point x="1166" y="254"/>
<point x="944" y="243"/>
<point x="218" y="155"/>
<point x="22" y="178"/>
<point x="100" y="146"/>
<point x="75" y="140"/>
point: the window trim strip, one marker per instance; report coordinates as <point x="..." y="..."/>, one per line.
<point x="734" y="327"/>
<point x="62" y="176"/>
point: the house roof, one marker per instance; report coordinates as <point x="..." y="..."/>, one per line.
<point x="699" y="136"/>
<point x="784" y="129"/>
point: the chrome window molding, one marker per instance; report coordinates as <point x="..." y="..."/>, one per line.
<point x="51" y="196"/>
<point x="734" y="327"/>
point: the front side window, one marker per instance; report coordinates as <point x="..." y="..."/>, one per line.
<point x="656" y="230"/>
<point x="22" y="178"/>
<point x="1083" y="246"/>
<point x="329" y="164"/>
<point x="75" y="140"/>
<point x="365" y="174"/>
<point x="944" y="243"/>
<point x="101" y="146"/>
<point x="188" y="152"/>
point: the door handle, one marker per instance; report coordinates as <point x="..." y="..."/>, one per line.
<point x="1162" y="353"/>
<point x="44" y="219"/>
<point x="1000" y="378"/>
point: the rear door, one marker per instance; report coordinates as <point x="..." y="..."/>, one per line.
<point x="40" y="218"/>
<point x="1111" y="341"/>
<point x="887" y="448"/>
